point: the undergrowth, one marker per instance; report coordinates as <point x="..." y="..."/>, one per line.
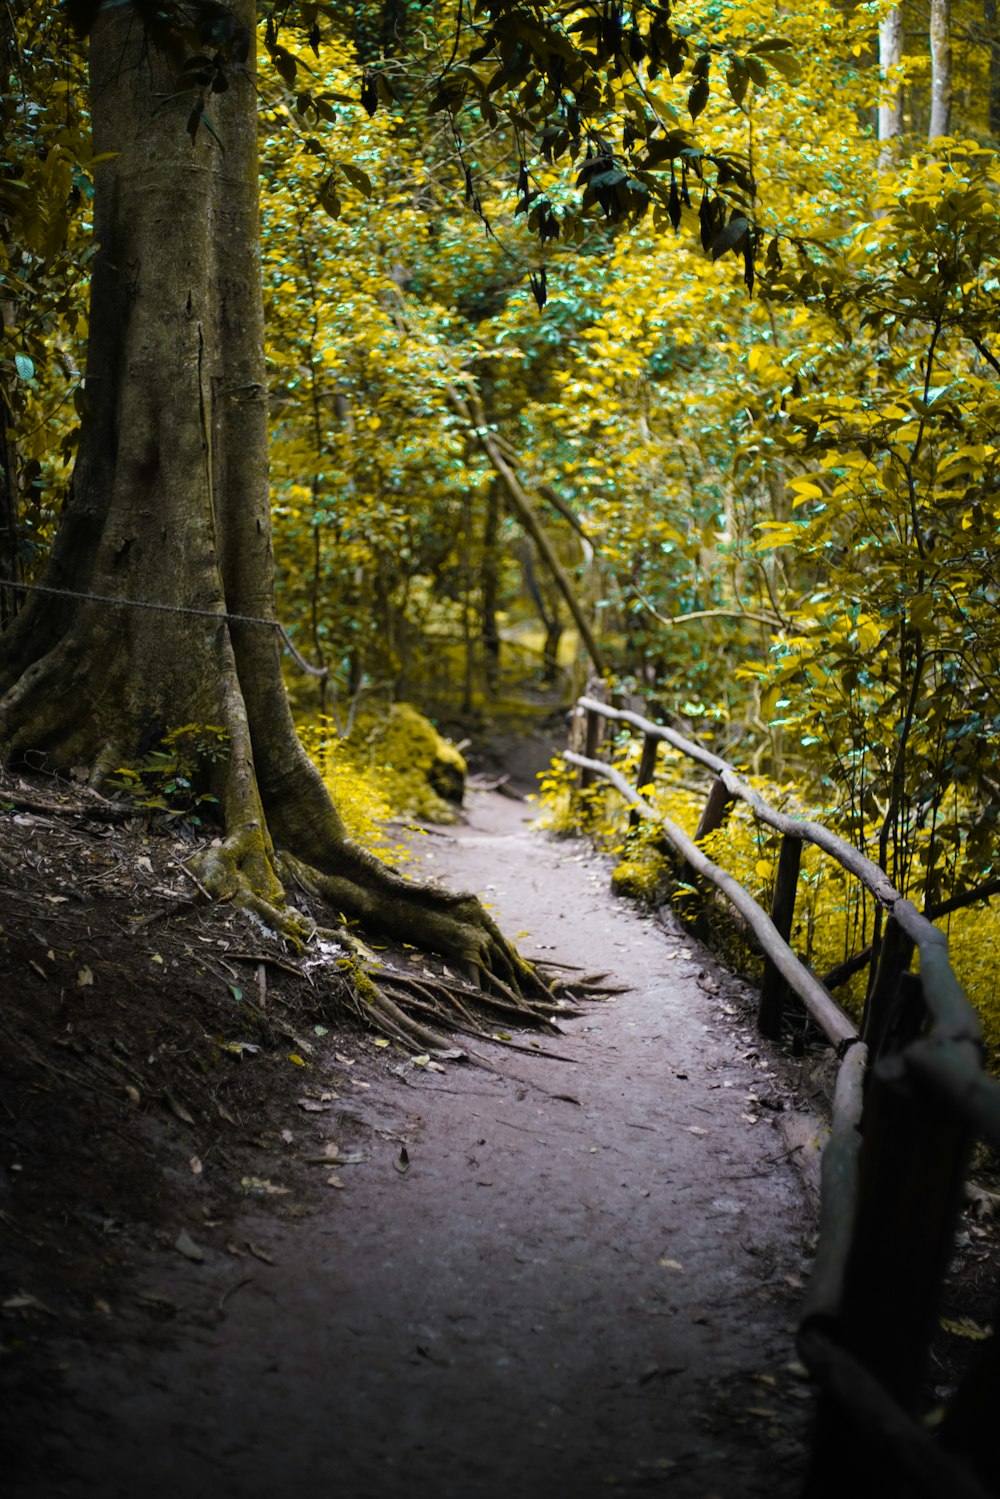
<point x="392" y="767"/>
<point x="834" y="915"/>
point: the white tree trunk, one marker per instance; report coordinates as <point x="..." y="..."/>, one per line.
<point x="940" y="39"/>
<point x="890" y="57"/>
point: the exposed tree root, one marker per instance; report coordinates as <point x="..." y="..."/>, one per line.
<point x="282" y="833"/>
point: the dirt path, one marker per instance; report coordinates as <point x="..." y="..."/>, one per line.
<point x="586" y="1278"/>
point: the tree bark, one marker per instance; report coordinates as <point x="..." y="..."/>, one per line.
<point x="993" y="111"/>
<point x="890" y="110"/>
<point x="168" y="516"/>
<point x="490" y="586"/>
<point x="940" y="42"/>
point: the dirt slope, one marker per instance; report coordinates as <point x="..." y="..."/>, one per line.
<point x="567" y="1277"/>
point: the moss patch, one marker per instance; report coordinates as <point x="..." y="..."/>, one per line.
<point x="420" y="773"/>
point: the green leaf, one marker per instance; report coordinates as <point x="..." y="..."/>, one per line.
<point x="357" y="178"/>
<point x="698" y="98"/>
<point x="785" y="63"/>
<point x="737" y="79"/>
<point x="25" y="367"/>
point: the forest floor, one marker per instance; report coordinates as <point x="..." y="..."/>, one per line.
<point x="247" y="1249"/>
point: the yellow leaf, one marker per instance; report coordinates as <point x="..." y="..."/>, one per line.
<point x="804" y="489"/>
<point x="869" y="634"/>
<point x="293" y="1056"/>
<point x="381" y="1041"/>
<point x="964" y="1327"/>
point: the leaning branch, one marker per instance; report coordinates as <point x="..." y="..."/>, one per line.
<point x="520" y="503"/>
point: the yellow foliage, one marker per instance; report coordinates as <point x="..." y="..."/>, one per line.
<point x="357" y="792"/>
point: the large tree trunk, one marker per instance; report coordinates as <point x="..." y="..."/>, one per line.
<point x="169" y="507"/>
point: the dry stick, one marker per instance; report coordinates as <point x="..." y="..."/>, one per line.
<point x="263" y="957"/>
<point x="100" y="811"/>
<point x="827" y="1014"/>
<point x="191" y="876"/>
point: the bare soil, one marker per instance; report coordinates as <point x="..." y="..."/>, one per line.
<point x="247" y="1248"/>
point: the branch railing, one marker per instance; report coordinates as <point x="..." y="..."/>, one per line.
<point x="911" y="1098"/>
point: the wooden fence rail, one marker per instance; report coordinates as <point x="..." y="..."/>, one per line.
<point x="912" y="1095"/>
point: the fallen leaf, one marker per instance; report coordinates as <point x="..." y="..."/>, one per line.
<point x="225" y="1114"/>
<point x="347" y="1061"/>
<point x="258" y="1253"/>
<point x="964" y="1327"/>
<point x="402" y="1161"/>
<point x="156" y="958"/>
<point x="232" y="1248"/>
<point x="102" y="1306"/>
<point x="287" y="1136"/>
<point x="263" y="1186"/>
<point x="84" y="977"/>
<point x="133" y="1095"/>
<point x="144" y="863"/>
<point x="293" y="1056"/>
<point x="381" y="1041"/>
<point x="24" y="1302"/>
<point x="334" y="1181"/>
<point x="696" y="1129"/>
<point x="670" y="1264"/>
<point x="176" y="1107"/>
<point x="195" y="1165"/>
<point x="185" y="1245"/>
<point x="313" y="1106"/>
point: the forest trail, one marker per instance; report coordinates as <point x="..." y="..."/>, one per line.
<point x="586" y="1278"/>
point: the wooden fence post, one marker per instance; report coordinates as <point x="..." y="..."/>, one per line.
<point x="914" y="1154"/>
<point x="716" y="807"/>
<point x="647" y="765"/>
<point x="773" y="987"/>
<point x="590" y="745"/>
<point x="894" y="958"/>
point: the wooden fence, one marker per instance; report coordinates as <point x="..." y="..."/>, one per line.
<point x="911" y="1098"/>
